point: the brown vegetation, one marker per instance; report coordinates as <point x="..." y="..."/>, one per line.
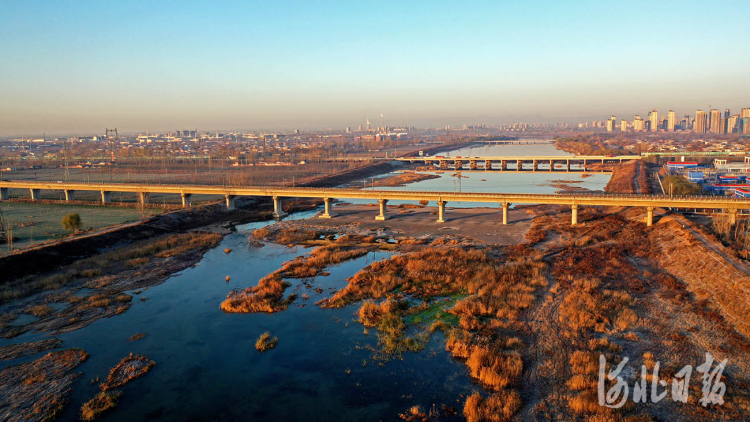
<point x="499" y="406"/>
<point x="102" y="402"/>
<point x="267" y="296"/>
<point x="38" y="390"/>
<point x="14" y="351"/>
<point x="266" y="342"/>
<point x="128" y="369"/>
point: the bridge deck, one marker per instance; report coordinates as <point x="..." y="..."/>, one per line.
<point x="524" y="158"/>
<point x="704" y="202"/>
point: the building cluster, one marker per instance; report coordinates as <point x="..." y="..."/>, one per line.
<point x="724" y="177"/>
<point x="713" y="121"/>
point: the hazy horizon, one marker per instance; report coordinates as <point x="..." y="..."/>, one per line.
<point x="78" y="68"/>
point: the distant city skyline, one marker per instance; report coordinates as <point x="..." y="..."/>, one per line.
<point x="153" y="67"/>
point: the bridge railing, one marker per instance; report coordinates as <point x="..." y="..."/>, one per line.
<point x="332" y="191"/>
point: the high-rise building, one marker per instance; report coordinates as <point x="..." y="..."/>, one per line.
<point x="611" y="123"/>
<point x="732" y="123"/>
<point x="746" y="126"/>
<point x="637" y="124"/>
<point x="671" y="120"/>
<point x="745" y="112"/>
<point x="715" y="121"/>
<point x="686" y="122"/>
<point x="653" y="117"/>
<point x="623" y="125"/>
<point x="701" y="122"/>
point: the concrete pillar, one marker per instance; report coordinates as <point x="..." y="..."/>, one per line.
<point x="70" y="195"/>
<point x="458" y="164"/>
<point x="143" y="198"/>
<point x="505" y="212"/>
<point x="649" y="216"/>
<point x="584" y="165"/>
<point x="278" y="210"/>
<point x="187" y="200"/>
<point x="732" y="216"/>
<point x="574" y="217"/>
<point x="382" y="216"/>
<point x="230" y="201"/>
<point x="472" y="164"/>
<point x="35" y="194"/>
<point x="567" y="165"/>
<point x="503" y="165"/>
<point x="106" y="197"/>
<point x="487" y="165"/>
<point x="519" y="165"/>
<point x="441" y="211"/>
<point x="551" y="165"/>
<point x="328" y="202"/>
<point x="4" y="194"/>
<point x="535" y="166"/>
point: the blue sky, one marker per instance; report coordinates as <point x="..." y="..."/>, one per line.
<point x="164" y="65"/>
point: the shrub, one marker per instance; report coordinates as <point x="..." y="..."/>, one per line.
<point x="72" y="221"/>
<point x="497" y="407"/>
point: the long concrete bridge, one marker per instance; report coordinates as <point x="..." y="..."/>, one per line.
<point x="575" y="200"/>
<point x="554" y="161"/>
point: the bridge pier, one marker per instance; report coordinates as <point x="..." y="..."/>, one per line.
<point x="574" y="217"/>
<point x="551" y="165"/>
<point x="487" y="165"/>
<point x="230" y="201"/>
<point x="441" y="211"/>
<point x="567" y="165"/>
<point x="535" y="166"/>
<point x="70" y="195"/>
<point x="328" y="202"/>
<point x="4" y="194"/>
<point x="443" y="164"/>
<point x="503" y="165"/>
<point x="187" y="200"/>
<point x="383" y="212"/>
<point x="472" y="164"/>
<point x="458" y="164"/>
<point x="278" y="210"/>
<point x="732" y="216"/>
<point x="519" y="165"/>
<point x="505" y="212"/>
<point x="649" y="216"/>
<point x="35" y="194"/>
<point x="143" y="198"/>
<point x="106" y="196"/>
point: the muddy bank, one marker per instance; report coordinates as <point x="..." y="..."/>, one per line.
<point x="78" y="294"/>
<point x="403" y="179"/>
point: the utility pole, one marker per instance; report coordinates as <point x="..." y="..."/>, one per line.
<point x="112" y="138"/>
<point x="65" y="153"/>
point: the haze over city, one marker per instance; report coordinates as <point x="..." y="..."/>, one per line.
<point x="80" y="67"/>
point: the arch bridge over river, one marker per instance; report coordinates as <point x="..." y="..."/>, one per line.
<point x="574" y="200"/>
